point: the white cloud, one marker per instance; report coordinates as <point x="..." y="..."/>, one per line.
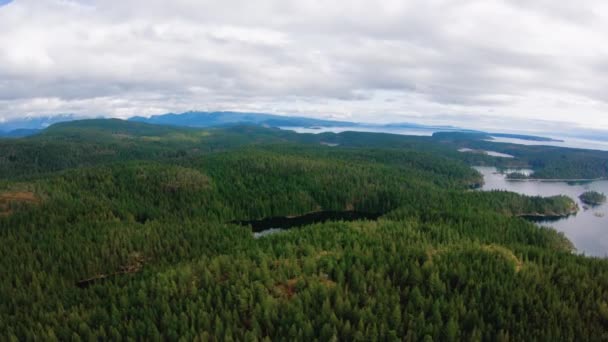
<point x="418" y="60"/>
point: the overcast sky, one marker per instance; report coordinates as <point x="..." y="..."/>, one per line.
<point x="460" y="61"/>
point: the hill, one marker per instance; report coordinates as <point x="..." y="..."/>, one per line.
<point x="114" y="229"/>
<point x="89" y="142"/>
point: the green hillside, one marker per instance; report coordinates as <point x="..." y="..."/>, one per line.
<point x="115" y="230"/>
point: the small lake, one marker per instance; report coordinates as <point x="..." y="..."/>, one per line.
<point x="489" y="153"/>
<point x="273" y="225"/>
<point x="588" y="229"/>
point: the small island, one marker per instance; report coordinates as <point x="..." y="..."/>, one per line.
<point x="517" y="176"/>
<point x="593" y="198"/>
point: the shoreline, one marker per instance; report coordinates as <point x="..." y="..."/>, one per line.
<point x="555" y="180"/>
<point x="572" y="211"/>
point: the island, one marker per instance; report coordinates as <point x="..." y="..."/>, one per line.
<point x="546" y="208"/>
<point x="517" y="176"/>
<point x="593" y="198"/>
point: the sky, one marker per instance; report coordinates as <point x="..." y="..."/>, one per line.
<point x="472" y="63"/>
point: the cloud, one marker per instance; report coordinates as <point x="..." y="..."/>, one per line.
<point x="390" y="60"/>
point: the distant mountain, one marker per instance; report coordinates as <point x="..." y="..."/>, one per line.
<point x="30" y="125"/>
<point x="19" y="133"/>
<point x="212" y="119"/>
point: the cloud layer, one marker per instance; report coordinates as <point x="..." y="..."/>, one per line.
<point x="426" y="60"/>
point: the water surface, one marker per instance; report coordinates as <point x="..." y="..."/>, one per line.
<point x="428" y="131"/>
<point x="340" y="129"/>
<point x="489" y="153"/>
<point x="588" y="229"/>
<point x="567" y="142"/>
<point x="273" y="225"/>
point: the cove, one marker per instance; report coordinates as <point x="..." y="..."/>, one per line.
<point x="588" y="229"/>
<point x="275" y="224"/>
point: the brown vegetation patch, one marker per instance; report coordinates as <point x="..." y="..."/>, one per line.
<point x="8" y="199"/>
<point x="289" y="289"/>
<point x="185" y="179"/>
<point x="134" y="264"/>
<point x="324" y="280"/>
<point x="122" y="136"/>
<point x="505" y="253"/>
<point x="322" y="254"/>
<point x="278" y="263"/>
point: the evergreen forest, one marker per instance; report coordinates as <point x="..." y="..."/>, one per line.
<point x="128" y="231"/>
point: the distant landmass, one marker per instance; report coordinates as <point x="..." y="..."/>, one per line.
<point x="524" y="137"/>
<point x="22" y="127"/>
<point x="19" y="133"/>
<point x="213" y="119"/>
<point x="32" y="125"/>
<point x="38" y="122"/>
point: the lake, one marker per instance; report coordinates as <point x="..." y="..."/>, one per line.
<point x="489" y="153"/>
<point x="588" y="229"/>
<point x="273" y="225"/>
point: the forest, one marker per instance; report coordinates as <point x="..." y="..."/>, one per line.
<point x="115" y="230"/>
<point x="593" y="198"/>
<point x="547" y="162"/>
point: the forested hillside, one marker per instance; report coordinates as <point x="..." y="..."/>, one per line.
<point x="91" y="142"/>
<point x="114" y="230"/>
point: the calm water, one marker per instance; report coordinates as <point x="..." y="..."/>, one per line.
<point x="588" y="230"/>
<point x="400" y="131"/>
<point x="273" y="225"/>
<point x="567" y="141"/>
<point x="490" y="153"/>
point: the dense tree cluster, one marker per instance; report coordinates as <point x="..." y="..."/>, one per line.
<point x="548" y="162"/>
<point x="151" y="230"/>
<point x="593" y="197"/>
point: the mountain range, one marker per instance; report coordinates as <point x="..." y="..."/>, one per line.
<point x="33" y="125"/>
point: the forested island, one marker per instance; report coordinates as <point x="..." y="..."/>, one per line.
<point x="593" y="198"/>
<point x="116" y="230"/>
<point x="517" y="176"/>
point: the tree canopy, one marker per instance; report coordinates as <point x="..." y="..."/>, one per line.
<point x="143" y="215"/>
